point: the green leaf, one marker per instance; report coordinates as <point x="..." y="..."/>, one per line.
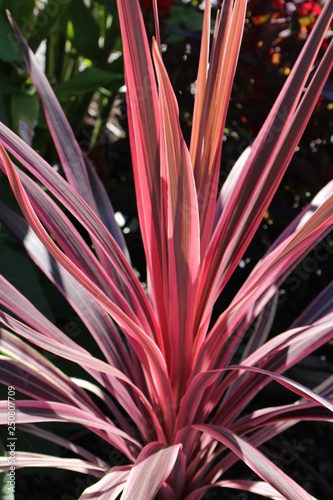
<point x="85" y="31"/>
<point x="20" y="271"/>
<point x="185" y="18"/>
<point x="89" y="80"/>
<point x="21" y="10"/>
<point x="6" y="86"/>
<point x="3" y="113"/>
<point x="110" y="5"/>
<point x="9" y="46"/>
<point x="46" y="20"/>
<point x="25" y="109"/>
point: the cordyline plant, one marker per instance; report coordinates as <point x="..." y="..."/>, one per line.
<point x="177" y="404"/>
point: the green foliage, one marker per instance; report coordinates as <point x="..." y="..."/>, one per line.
<point x="77" y="44"/>
<point x="47" y="21"/>
<point x="18" y="268"/>
<point x="84" y="31"/>
<point x="183" y="18"/>
<point x="88" y="80"/>
<point x="9" y="48"/>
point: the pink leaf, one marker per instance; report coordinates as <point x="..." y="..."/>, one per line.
<point x="180" y="232"/>
<point x="151" y="469"/>
<point x="265" y="469"/>
<point x="110" y="486"/>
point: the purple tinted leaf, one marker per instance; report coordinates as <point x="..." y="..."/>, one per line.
<point x="143" y="122"/>
<point x="180" y="232"/>
<point x="75" y="353"/>
<point x="151" y="469"/>
<point x="88" y="310"/>
<point x="39" y="460"/>
<point x="69" y="152"/>
<point x="265" y="469"/>
<point x="321" y="306"/>
<point x="278" y="355"/>
<point x="110" y="486"/>
<point x="49" y="411"/>
<point x="66" y="195"/>
<point x="105" y="208"/>
<point x="145" y="348"/>
<point x="265" y="166"/>
<point x="65" y="443"/>
<point x="256" y="487"/>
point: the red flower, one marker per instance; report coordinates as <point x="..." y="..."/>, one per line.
<point x="163" y="5"/>
<point x="309" y="8"/>
<point x="278" y="4"/>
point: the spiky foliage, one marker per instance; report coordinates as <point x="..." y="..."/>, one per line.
<point x="166" y="371"/>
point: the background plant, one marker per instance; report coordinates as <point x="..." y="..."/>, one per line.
<point x="74" y="41"/>
<point x="192" y="248"/>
